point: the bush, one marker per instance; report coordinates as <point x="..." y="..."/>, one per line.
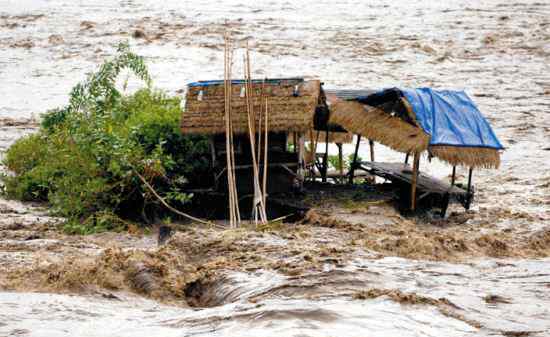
<point x="334" y="161"/>
<point x="85" y="158"/>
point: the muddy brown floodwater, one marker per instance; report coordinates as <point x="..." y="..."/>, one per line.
<point x="349" y="268"/>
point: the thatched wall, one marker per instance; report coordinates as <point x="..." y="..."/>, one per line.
<point x="287" y="112"/>
<point x="376" y="124"/>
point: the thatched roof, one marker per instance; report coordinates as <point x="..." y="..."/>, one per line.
<point x="401" y="133"/>
<point x="291" y="105"/>
<point x="376" y="124"/>
<point x="481" y="157"/>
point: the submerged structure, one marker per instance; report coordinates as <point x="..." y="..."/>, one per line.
<point x="283" y="107"/>
<point x="292" y="116"/>
<point x="444" y="124"/>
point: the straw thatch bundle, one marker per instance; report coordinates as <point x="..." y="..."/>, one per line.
<point x="291" y="103"/>
<point x="479" y="157"/>
<point x="380" y="126"/>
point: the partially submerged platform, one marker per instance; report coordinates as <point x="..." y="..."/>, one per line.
<point x="431" y="191"/>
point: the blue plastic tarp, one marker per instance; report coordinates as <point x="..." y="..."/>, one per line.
<point x="451" y="118"/>
<point x="238" y="82"/>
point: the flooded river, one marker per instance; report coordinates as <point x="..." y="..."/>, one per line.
<point x="486" y="273"/>
<point x="317" y="305"/>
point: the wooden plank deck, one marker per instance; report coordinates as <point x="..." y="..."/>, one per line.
<point x="402" y="173"/>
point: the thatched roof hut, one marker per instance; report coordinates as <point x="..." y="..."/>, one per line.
<point x="292" y="103"/>
<point x="399" y="121"/>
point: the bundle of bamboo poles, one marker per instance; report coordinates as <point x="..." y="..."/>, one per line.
<point x="258" y="201"/>
<point x="234" y="213"/>
<point x="260" y="190"/>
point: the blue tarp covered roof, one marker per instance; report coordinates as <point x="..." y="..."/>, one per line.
<point x="449" y="117"/>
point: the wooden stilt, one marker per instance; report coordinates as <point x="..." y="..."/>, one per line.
<point x="301" y="159"/>
<point x="325" y="159"/>
<point x="315" y="152"/>
<point x="371" y="146"/>
<point x="317" y="140"/>
<point x="470" y="196"/>
<point x="354" y="162"/>
<point x="470" y="179"/>
<point x="310" y="163"/>
<point x="416" y="164"/>
<point x="372" y="179"/>
<point x="453" y="176"/>
<point x="340" y="160"/>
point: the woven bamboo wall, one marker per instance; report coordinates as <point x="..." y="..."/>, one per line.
<point x="287" y="112"/>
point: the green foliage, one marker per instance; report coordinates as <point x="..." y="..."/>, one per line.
<point x="85" y="156"/>
<point x="334" y="161"/>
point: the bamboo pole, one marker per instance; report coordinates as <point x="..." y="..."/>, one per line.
<point x="258" y="206"/>
<point x="266" y="133"/>
<point x="227" y="141"/>
<point x="259" y="146"/>
<point x="234" y="214"/>
<point x="230" y="91"/>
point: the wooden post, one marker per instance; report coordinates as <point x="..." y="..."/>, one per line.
<point x="469" y="195"/>
<point x="340" y="160"/>
<point x="454" y="176"/>
<point x="470" y="179"/>
<point x="372" y="179"/>
<point x="301" y="158"/>
<point x="354" y="162"/>
<point x="325" y="159"/>
<point x="416" y="164"/>
<point x="371" y="146"/>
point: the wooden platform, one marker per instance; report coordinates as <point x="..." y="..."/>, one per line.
<point x="427" y="187"/>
